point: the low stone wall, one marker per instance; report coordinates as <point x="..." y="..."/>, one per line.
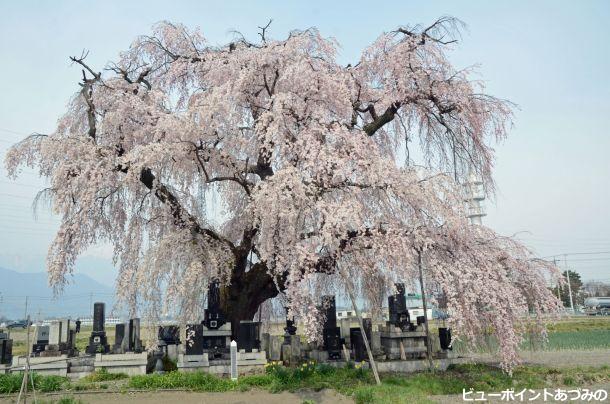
<point x="247" y="363"/>
<point x="4" y="369"/>
<point x="55" y="365"/>
<point x="411" y="366"/>
<point x="129" y="363"/>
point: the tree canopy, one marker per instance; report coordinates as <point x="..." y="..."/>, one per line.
<point x="310" y="162"/>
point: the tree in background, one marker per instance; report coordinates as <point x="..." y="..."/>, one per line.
<point x="578" y="297"/>
<point x="309" y="164"/>
<point x="596" y="289"/>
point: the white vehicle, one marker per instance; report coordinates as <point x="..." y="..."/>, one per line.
<point x="597" y="306"/>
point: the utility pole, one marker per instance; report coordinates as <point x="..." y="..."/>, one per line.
<point x="348" y="286"/>
<point x="565" y="260"/>
<point x="558" y="286"/>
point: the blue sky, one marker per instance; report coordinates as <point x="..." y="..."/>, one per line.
<point x="550" y="57"/>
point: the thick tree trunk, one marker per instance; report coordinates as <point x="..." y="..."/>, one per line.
<point x="248" y="290"/>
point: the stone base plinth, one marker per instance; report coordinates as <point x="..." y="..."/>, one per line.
<point x="410" y="366"/>
<point x="193" y="363"/>
<point x="55" y="366"/>
<point x="247" y="363"/>
<point x="128" y="363"/>
<point x="397" y="344"/>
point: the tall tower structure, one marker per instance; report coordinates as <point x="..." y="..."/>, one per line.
<point x="474" y="196"/>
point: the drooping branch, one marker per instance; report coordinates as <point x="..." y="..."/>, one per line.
<point x="182" y="218"/>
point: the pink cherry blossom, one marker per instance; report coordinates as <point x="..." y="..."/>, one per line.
<point x="271" y="167"/>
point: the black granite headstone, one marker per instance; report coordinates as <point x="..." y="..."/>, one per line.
<point x="135" y="343"/>
<point x="329" y="308"/>
<point x="98" y="317"/>
<point x="6" y="349"/>
<point x="444" y="336"/>
<point x="397" y="305"/>
<point x="170" y="334"/>
<point x="194" y="339"/>
<point x="213" y="315"/>
<point x="98" y="342"/>
<point x="119" y="334"/>
<point x="357" y="342"/>
<point x="331" y="334"/>
<point x="249" y="335"/>
<point x="290" y="328"/>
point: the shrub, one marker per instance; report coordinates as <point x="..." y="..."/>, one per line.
<point x="102" y="375"/>
<point x="11" y="383"/>
<point x="198" y="381"/>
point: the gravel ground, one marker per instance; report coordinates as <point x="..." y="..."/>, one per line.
<point x="183" y="397"/>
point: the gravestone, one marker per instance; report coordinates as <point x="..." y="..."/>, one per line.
<point x="134" y="334"/>
<point x="42" y="334"/>
<point x="275" y="348"/>
<point x="71" y="340"/>
<point x="216" y="331"/>
<point x="330" y="332"/>
<point x="290" y="330"/>
<point x="6" y="349"/>
<point x="99" y="317"/>
<point x="397" y="306"/>
<point x="265" y="341"/>
<point x="55" y="333"/>
<point x="170" y="334"/>
<point x="345" y="325"/>
<point x="119" y="334"/>
<point x="249" y="335"/>
<point x="358" y="348"/>
<point x="126" y="342"/>
<point x="296" y="349"/>
<point x="194" y="339"/>
<point x="213" y="315"/>
<point x="444" y="336"/>
<point x="98" y="342"/>
<point x="287" y="355"/>
<point x="65" y="331"/>
<point x="41" y="338"/>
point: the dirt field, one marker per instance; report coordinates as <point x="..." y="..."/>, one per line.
<point x="563" y="358"/>
<point x="182" y="397"/>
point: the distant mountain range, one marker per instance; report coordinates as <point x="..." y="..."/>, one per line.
<point x="75" y="301"/>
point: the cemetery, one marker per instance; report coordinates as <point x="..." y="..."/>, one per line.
<point x="398" y="345"/>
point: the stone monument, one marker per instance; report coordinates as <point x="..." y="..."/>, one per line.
<point x="216" y="333"/>
<point x="6" y="349"/>
<point x="98" y="342"/>
<point x="248" y="338"/>
<point x="119" y="334"/>
<point x="330" y="332"/>
<point x="42" y="339"/>
<point x="400" y="338"/>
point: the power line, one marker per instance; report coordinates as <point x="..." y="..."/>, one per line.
<point x="14" y="132"/>
<point x="589" y="259"/>
<point x="17" y="196"/>
<point x="577" y="253"/>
